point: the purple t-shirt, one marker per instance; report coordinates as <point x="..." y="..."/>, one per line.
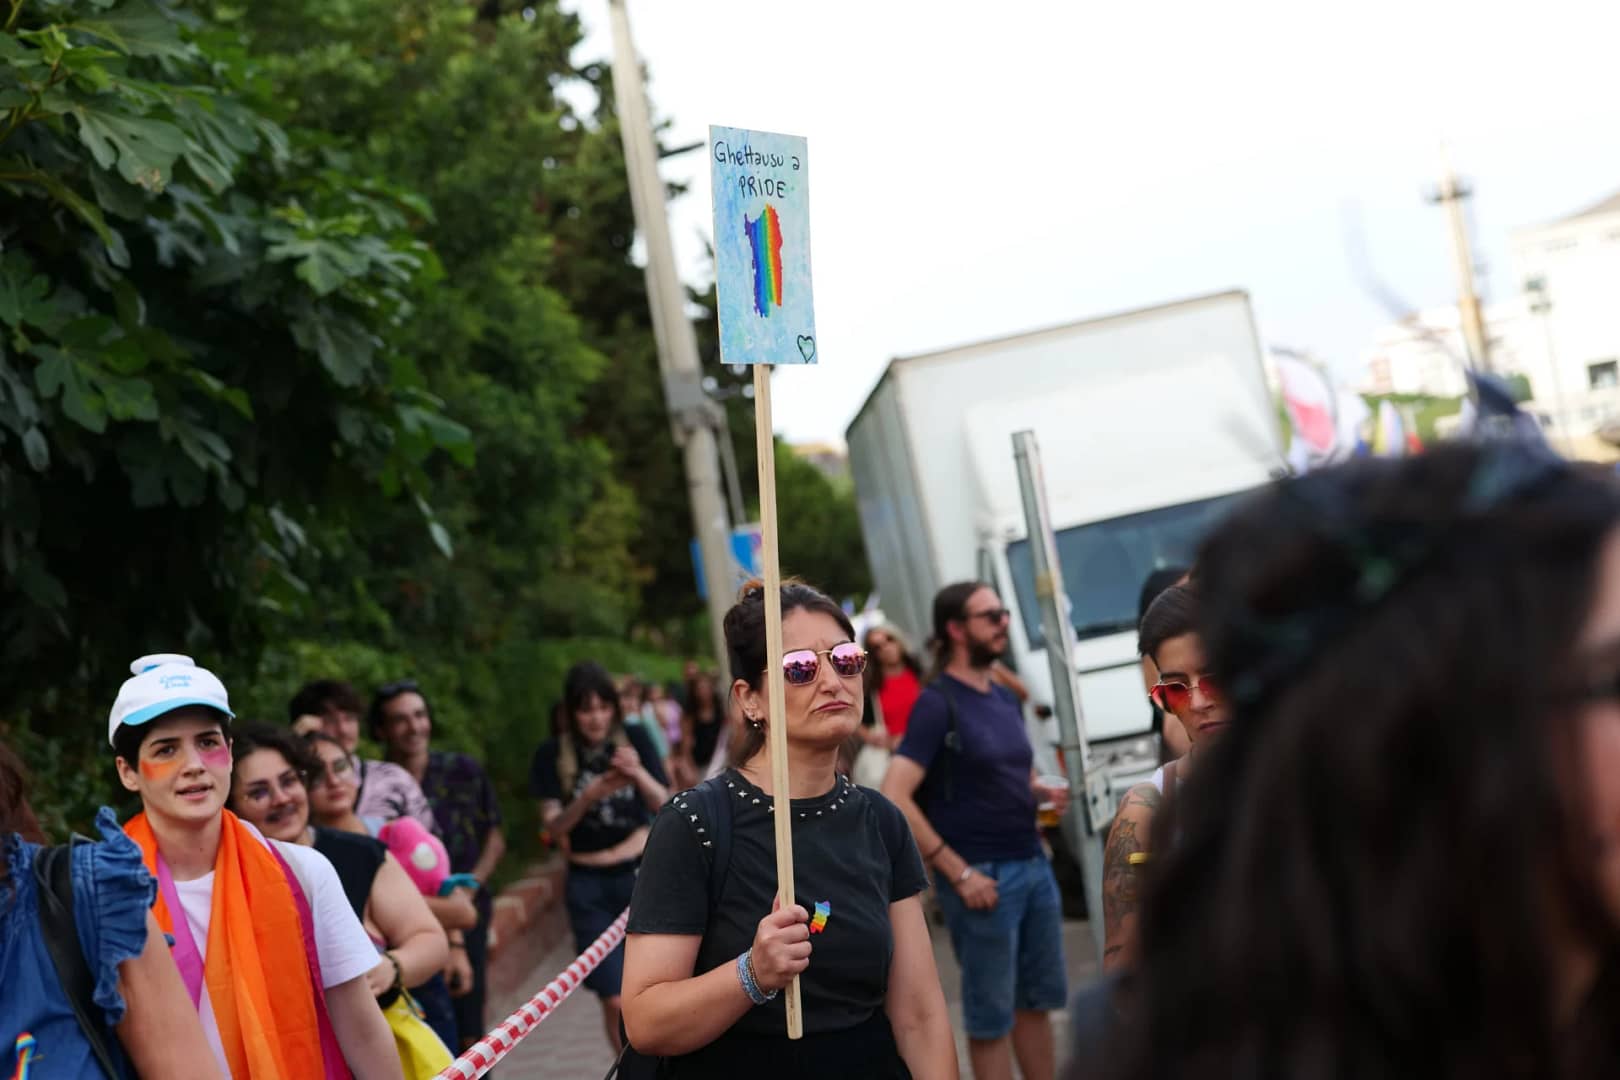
<point x="990" y="814"/>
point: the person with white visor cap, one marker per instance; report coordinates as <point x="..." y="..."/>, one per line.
<point x="269" y="949"/>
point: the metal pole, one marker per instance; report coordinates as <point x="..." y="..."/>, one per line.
<point x="692" y="414"/>
<point x="1451" y="194"/>
<point x="1088" y="805"/>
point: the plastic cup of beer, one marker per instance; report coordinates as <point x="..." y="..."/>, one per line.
<point x="1047" y="815"/>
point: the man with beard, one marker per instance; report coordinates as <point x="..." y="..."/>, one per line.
<point x="964" y="776"/>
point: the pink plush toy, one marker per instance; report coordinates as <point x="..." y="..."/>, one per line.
<point x="420" y="852"/>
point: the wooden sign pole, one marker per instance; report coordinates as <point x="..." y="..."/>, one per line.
<point x="776" y="730"/>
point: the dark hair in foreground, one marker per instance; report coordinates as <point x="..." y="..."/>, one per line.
<point x="745" y="643"/>
<point x="1369" y="870"/>
<point x="251" y="738"/>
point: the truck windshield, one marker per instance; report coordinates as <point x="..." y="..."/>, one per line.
<point x="1106" y="563"/>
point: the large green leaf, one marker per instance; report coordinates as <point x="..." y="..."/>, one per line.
<point x="23" y="293"/>
<point x="143" y="149"/>
<point x="59" y="372"/>
<point x="138" y="29"/>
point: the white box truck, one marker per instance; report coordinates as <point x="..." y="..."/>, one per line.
<point x="1150" y="424"/>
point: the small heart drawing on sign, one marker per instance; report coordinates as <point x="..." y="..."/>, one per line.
<point x="807" y="347"/>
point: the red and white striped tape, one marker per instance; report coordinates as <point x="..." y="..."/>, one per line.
<point x="483" y="1055"/>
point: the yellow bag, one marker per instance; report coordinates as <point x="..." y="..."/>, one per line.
<point x="422" y="1054"/>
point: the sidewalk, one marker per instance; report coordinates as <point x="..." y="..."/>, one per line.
<point x="570" y="1043"/>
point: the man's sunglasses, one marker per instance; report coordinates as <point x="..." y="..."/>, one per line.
<point x="801" y="666"/>
<point x="993" y="615"/>
<point x="1176" y="694"/>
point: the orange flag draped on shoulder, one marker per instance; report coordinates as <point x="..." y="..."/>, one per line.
<point x="255" y="966"/>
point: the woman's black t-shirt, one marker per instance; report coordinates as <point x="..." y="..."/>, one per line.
<point x="608" y="820"/>
<point x="852" y="850"/>
<point x="356" y="859"/>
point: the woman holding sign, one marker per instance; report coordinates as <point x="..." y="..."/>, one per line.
<point x="705" y="898"/>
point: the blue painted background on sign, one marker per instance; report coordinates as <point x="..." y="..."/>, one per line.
<point x="762" y="246"/>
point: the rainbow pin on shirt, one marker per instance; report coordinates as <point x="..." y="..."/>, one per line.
<point x="818" y="922"/>
<point x="26" y="1048"/>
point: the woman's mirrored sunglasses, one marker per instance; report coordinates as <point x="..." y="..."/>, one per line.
<point x="801" y="666"/>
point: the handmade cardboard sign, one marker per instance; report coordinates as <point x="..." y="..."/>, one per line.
<point x="762" y="246"/>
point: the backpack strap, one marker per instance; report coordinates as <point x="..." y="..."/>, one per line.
<point x="952" y="741"/>
<point x="53" y="873"/>
<point x="1170" y="774"/>
<point x="715" y="811"/>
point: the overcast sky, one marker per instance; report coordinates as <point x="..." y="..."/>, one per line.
<point x="981" y="169"/>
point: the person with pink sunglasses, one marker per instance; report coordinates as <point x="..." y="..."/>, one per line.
<point x="710" y="948"/>
<point x="1168" y="637"/>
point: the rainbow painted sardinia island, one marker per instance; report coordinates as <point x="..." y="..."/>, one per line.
<point x="765" y="239"/>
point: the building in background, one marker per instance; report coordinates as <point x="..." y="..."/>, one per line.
<point x="1559" y="328"/>
<point x="832" y="458"/>
<point x="1568" y="272"/>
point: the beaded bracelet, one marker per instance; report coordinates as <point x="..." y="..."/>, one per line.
<point x="750" y="985"/>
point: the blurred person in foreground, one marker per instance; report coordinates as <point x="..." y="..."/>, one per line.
<point x="1353" y="889"/>
<point x="469" y="822"/>
<point x="599" y="781"/>
<point x="964" y="775"/>
<point x="1191" y="697"/>
<point x="710" y="947"/>
<point x="134" y="999"/>
<point x="385" y="792"/>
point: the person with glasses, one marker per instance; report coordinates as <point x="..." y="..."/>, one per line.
<point x="709" y="949"/>
<point x="384" y="791"/>
<point x="421" y="854"/>
<point x="469" y="822"/>
<point x="1186" y="691"/>
<point x="270" y="789"/>
<point x="965" y="776"/>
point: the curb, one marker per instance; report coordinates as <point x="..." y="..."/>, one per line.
<point x="527" y="922"/>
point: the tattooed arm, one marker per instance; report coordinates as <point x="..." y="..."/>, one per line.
<point x="1121" y="895"/>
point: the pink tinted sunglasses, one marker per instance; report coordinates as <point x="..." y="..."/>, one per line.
<point x="801" y="666"/>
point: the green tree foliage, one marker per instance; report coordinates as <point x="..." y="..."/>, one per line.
<point x="270" y="276"/>
<point x="204" y="342"/>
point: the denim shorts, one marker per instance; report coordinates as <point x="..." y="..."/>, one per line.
<point x="594" y="898"/>
<point x="1012" y="955"/>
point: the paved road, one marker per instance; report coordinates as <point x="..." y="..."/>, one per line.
<point x="570" y="1044"/>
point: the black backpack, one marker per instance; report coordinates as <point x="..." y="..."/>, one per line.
<point x="53" y="873"/>
<point x="715" y="810"/>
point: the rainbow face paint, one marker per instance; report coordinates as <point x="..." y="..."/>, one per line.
<point x="158" y="771"/>
<point x="217" y="758"/>
<point x="765" y="240"/>
<point x="818" y="922"/>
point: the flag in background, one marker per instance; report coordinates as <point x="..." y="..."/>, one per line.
<point x="1389" y="437"/>
<point x="1326" y="420"/>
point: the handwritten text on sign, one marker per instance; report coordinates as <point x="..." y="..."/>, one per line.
<point x="762" y="246"/>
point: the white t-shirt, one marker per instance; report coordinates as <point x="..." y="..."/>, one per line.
<point x="341" y="942"/>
